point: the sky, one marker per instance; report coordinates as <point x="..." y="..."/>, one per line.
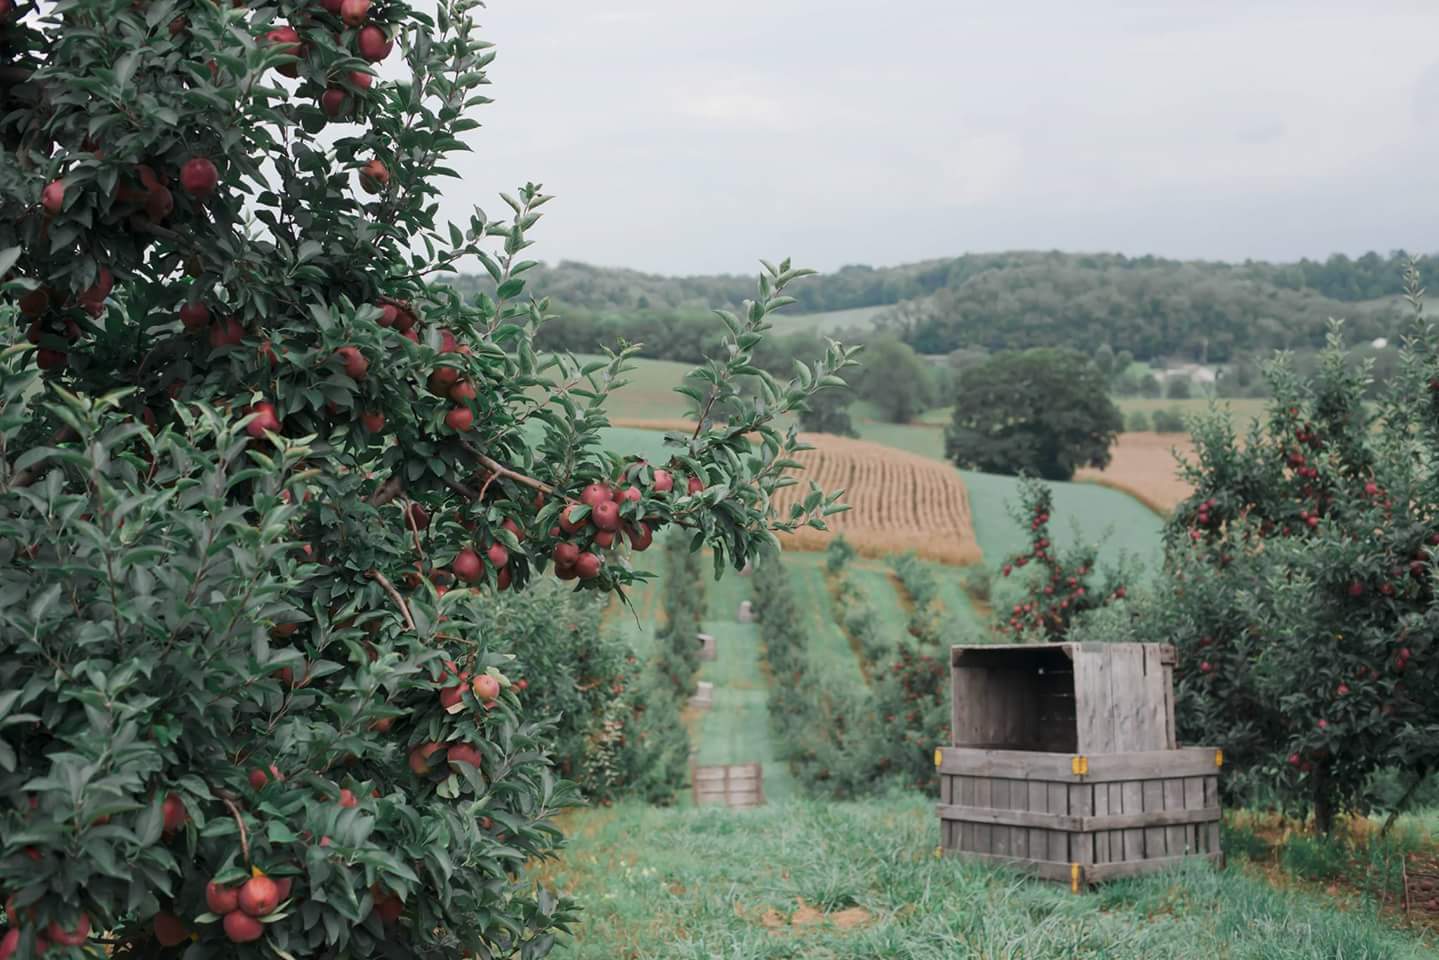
<point x="686" y="137"/>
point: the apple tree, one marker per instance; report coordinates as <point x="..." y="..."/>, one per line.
<point x="1299" y="584"/>
<point x="261" y="472"/>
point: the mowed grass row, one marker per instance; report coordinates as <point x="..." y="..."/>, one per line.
<point x="861" y="880"/>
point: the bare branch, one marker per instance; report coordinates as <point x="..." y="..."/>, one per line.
<point x="239" y="822"/>
<point x="387" y="491"/>
<point x="389" y="588"/>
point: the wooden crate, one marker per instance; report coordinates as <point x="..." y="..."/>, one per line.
<point x="708" y="650"/>
<point x="704" y="696"/>
<point x="734" y="785"/>
<point x="1063" y="762"/>
<point x="1080" y="818"/>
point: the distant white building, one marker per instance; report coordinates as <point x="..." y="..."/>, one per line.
<point x="1380" y="343"/>
<point x="1196" y="373"/>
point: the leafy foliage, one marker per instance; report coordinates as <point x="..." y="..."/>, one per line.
<point x="1299" y="586"/>
<point x="261" y="480"/>
<point x="1061" y="585"/>
<point x="1045" y="412"/>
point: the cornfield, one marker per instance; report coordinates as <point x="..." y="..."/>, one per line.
<point x="898" y="501"/>
<point x="1143" y="466"/>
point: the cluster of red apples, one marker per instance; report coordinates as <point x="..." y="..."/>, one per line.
<point x="597" y="522"/>
<point x="143" y="193"/>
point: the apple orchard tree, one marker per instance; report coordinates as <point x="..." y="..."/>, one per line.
<point x="257" y="473"/>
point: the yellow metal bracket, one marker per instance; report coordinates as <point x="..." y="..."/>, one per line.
<point x="1219" y="758"/>
<point x="1079" y="766"/>
<point x="1076" y="877"/>
<point x="938" y="757"/>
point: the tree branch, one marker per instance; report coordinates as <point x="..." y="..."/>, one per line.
<point x="461" y="489"/>
<point x="389" y="588"/>
<point x="239" y="822"/>
<point x="387" y="491"/>
<point x="496" y="467"/>
<point x="1403" y="802"/>
<point x="415" y="530"/>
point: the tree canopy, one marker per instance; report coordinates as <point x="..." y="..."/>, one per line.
<point x="1044" y="412"/>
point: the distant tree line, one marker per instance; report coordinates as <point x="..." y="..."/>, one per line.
<point x="1151" y="307"/>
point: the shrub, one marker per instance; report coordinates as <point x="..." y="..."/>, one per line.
<point x="260" y="479"/>
<point x="838" y="554"/>
<point x="1062" y="585"/>
<point x="1169" y="421"/>
<point x="1299" y="586"/>
<point x="1137" y="421"/>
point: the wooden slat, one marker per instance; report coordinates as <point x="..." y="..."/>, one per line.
<point x="1038" y="803"/>
<point x="1092" y="701"/>
<point x="1009" y="818"/>
<point x="983" y="833"/>
<point x="1194" y="800"/>
<point x="1126" y="680"/>
<point x="1211" y="799"/>
<point x="1169" y="702"/>
<point x="1151" y="728"/>
<point x="1101" y="810"/>
<point x="999" y="801"/>
<point x="1019" y="802"/>
<point x="1174" y="836"/>
<point x="1081" y="806"/>
<point x="965" y="797"/>
<point x="1154" y="845"/>
<point x="1030" y="765"/>
<point x="1058" y="841"/>
<point x="1150" y="818"/>
<point x="1132" y="802"/>
<point x="1110" y="871"/>
<point x="1041" y="868"/>
<point x="946" y="827"/>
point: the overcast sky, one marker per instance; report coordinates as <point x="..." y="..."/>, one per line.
<point x="684" y="137"/>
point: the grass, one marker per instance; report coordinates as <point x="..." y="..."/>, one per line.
<point x="805" y="879"/>
<point x="826" y="642"/>
<point x="1092" y="510"/>
<point x="827" y="321"/>
<point x="1241" y="410"/>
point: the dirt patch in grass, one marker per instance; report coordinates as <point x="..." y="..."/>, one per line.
<point x="805" y="918"/>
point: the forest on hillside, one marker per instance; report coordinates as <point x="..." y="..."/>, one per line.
<point x="1153" y="308"/>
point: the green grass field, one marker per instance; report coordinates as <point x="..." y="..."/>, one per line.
<point x="804" y="879"/>
<point x="829" y="321"/>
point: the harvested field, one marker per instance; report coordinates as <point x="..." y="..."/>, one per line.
<point x="1143" y="466"/>
<point x="898" y="501"/>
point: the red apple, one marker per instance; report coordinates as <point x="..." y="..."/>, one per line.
<point x="485" y="687"/>
<point x="462" y="392"/>
<point x="606" y="516"/>
<point x="374" y="176"/>
<point x="258" y="777"/>
<point x="514" y="528"/>
<point x="640" y="536"/>
<point x="199" y="177"/>
<point x="605" y="539"/>
<point x="221" y="900"/>
<point x="11" y="941"/>
<point x="420" y="757"/>
<point x="35" y="303"/>
<point x="159" y="203"/>
<point x="389" y="313"/>
<point x="355" y="12"/>
<point x="497" y="555"/>
<point x="175" y="814"/>
<point x="361" y="80"/>
<point x="73" y="937"/>
<point x="467" y="566"/>
<point x="587" y="567"/>
<point x="226" y="333"/>
<point x="259" y="896"/>
<point x="52" y="198"/>
<point x="596" y="494"/>
<point x="460" y="419"/>
<point x="566" y="554"/>
<point x="373" y="44"/>
<point x="335" y="102"/>
<point x="387" y="905"/>
<point x="442" y="380"/>
<point x="663" y="482"/>
<point x="630" y="493"/>
<point x="47" y="359"/>
<point x="194" y="316"/>
<point x="288" y="40"/>
<point x="695" y="485"/>
<point x="502" y="579"/>
<point x="354" y="362"/>
<point x="373" y="421"/>
<point x="264" y="419"/>
<point x="569" y="523"/>
<point x="169" y="930"/>
<point x="241" y="928"/>
<point x="348" y="798"/>
<point x="464" y="753"/>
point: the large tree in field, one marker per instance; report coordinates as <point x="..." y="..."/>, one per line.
<point x="260" y="476"/>
<point x="1042" y="412"/>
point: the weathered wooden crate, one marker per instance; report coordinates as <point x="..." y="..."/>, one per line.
<point x="708" y="650"/>
<point x="735" y="785"/>
<point x="704" y="696"/>
<point x="1063" y="762"/>
<point x="1421" y="889"/>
